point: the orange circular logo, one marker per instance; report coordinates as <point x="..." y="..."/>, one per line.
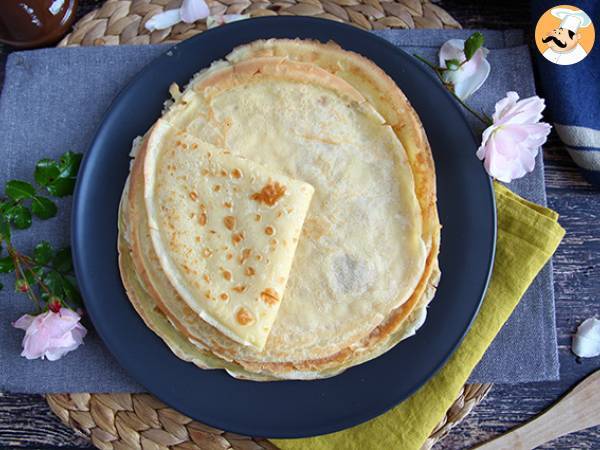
<point x="564" y="35"/>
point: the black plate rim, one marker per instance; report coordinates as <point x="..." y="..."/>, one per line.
<point x="78" y="237"/>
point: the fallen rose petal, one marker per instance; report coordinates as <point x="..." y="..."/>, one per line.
<point x="163" y="20"/>
<point x="586" y="342"/>
<point x="192" y="10"/>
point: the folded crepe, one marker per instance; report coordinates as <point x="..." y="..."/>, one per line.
<point x="366" y="262"/>
<point x="224" y="230"/>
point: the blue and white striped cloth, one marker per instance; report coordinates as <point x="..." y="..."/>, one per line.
<point x="572" y="94"/>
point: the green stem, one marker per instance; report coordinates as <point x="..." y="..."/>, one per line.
<point x="431" y="65"/>
<point x="37" y="278"/>
<point x="21" y="274"/>
<point x="482" y="117"/>
<point x="487" y="121"/>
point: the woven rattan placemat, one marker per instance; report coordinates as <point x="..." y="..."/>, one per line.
<point x="140" y="421"/>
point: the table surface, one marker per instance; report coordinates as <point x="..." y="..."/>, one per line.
<point x="27" y="422"/>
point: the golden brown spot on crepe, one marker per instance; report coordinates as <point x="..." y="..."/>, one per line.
<point x="208" y="295"/>
<point x="269" y="296"/>
<point x="236" y="173"/>
<point x="198" y="238"/>
<point x="229" y="256"/>
<point x="194" y="146"/>
<point x="227" y="204"/>
<point x="217" y="187"/>
<point x="229" y="222"/>
<point x="206" y="252"/>
<point x="281" y="280"/>
<point x="193" y="195"/>
<point x="269" y="231"/>
<point x="257" y="217"/>
<point x="243" y="316"/>
<point x="226" y="274"/>
<point x="202" y="219"/>
<point x="245" y="255"/>
<point x="250" y="271"/>
<point x="205" y="172"/>
<point x="240" y="288"/>
<point x="223" y="173"/>
<point x="237" y="237"/>
<point x="212" y="231"/>
<point x="224" y="296"/>
<point x="274" y="242"/>
<point x="187" y="311"/>
<point x="206" y="278"/>
<point x="269" y="194"/>
<point x="259" y="257"/>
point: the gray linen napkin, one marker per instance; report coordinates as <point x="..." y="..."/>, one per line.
<point x="54" y="99"/>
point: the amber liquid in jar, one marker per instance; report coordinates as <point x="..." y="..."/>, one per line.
<point x="34" y="23"/>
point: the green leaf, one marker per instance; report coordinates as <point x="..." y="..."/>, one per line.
<point x="58" y="177"/>
<point x="19" y="216"/>
<point x="43" y="207"/>
<point x="53" y="281"/>
<point x="72" y="295"/>
<point x="46" y="171"/>
<point x="42" y="252"/>
<point x="69" y="164"/>
<point x="452" y="64"/>
<point x="19" y="190"/>
<point x="61" y="187"/>
<point x="473" y="43"/>
<point x="5" y="205"/>
<point x="6" y="264"/>
<point x="62" y="260"/>
<point x="33" y="275"/>
<point x="4" y="229"/>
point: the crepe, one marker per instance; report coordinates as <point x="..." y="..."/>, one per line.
<point x="224" y="229"/>
<point x="284" y="105"/>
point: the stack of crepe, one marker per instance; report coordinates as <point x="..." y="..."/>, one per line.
<point x="279" y="220"/>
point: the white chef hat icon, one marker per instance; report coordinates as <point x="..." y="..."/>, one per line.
<point x="571" y="19"/>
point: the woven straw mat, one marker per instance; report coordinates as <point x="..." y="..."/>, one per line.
<point x="140" y="421"/>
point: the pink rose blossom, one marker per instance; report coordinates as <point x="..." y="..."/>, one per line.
<point x="51" y="334"/>
<point x="471" y="75"/>
<point x="509" y="146"/>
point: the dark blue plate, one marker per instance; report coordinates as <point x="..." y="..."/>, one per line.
<point x="291" y="408"/>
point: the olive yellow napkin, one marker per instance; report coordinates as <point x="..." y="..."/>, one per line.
<point x="528" y="235"/>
